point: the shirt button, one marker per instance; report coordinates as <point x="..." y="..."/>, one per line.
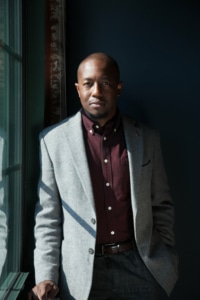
<point x="106" y="161"/>
<point x="107" y="184"/>
<point x="91" y="251"/>
<point x="91" y="131"/>
<point x="93" y="221"/>
<point x="104" y="138"/>
<point x="112" y="233"/>
<point x="109" y="207"/>
<point x="97" y="126"/>
<point x="115" y="130"/>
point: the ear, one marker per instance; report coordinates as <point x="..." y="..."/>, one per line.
<point x="77" y="88"/>
<point x="119" y="88"/>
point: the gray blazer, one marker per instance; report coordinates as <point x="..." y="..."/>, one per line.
<point x="65" y="230"/>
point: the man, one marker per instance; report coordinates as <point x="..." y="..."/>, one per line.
<point x="104" y="222"/>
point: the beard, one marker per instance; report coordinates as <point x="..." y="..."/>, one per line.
<point x="97" y="116"/>
<point x="101" y="117"/>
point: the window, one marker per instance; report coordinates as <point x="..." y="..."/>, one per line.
<point x="11" y="136"/>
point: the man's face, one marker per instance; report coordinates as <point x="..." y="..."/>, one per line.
<point x="98" y="88"/>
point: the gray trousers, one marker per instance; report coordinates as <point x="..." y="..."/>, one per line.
<point x="123" y="276"/>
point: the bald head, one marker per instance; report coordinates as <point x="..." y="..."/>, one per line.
<point x="98" y="87"/>
<point x="106" y="59"/>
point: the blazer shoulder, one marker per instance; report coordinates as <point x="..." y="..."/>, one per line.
<point x="56" y="129"/>
<point x="142" y="126"/>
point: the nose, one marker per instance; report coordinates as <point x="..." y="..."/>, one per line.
<point x="96" y="91"/>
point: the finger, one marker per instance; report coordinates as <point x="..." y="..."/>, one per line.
<point x="38" y="294"/>
<point x="53" y="292"/>
<point x="41" y="291"/>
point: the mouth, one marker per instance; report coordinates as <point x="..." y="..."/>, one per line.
<point x="96" y="103"/>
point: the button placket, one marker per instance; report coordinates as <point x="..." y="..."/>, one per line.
<point x="107" y="171"/>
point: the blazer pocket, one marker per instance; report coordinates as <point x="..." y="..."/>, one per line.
<point x="146" y="163"/>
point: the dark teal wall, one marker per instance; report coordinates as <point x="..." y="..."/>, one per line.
<point x="157" y="46"/>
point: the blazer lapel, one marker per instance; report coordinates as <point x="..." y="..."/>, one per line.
<point x="134" y="139"/>
<point x="134" y="143"/>
<point x="75" y="140"/>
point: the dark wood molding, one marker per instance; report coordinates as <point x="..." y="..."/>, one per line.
<point x="55" y="75"/>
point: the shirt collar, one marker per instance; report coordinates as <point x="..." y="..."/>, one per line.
<point x="93" y="127"/>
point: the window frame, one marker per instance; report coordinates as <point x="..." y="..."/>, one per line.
<point x="11" y="49"/>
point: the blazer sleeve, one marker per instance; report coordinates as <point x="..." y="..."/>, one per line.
<point x="48" y="221"/>
<point x="162" y="204"/>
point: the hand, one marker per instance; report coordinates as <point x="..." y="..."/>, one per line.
<point x="45" y="290"/>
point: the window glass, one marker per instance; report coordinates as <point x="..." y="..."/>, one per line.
<point x="10" y="142"/>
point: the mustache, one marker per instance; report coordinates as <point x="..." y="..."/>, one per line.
<point x="96" y="101"/>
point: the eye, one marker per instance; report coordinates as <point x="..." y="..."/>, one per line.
<point x="87" y="84"/>
<point x="106" y="83"/>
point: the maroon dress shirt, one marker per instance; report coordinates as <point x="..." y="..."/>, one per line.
<point x="109" y="170"/>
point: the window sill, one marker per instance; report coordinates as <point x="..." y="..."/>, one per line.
<point x="12" y="286"/>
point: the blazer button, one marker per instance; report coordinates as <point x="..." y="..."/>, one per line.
<point x="91" y="251"/>
<point x="93" y="221"/>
